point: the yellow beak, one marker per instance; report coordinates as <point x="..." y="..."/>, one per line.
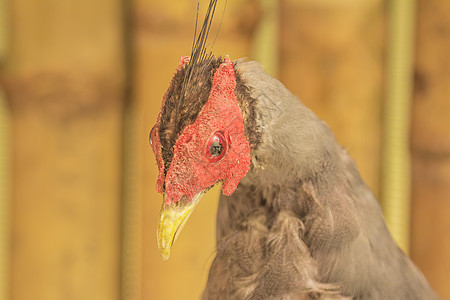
<point x="172" y="219"/>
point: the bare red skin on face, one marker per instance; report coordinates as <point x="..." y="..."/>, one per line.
<point x="191" y="171"/>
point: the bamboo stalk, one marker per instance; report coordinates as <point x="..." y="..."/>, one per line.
<point x="266" y="39"/>
<point x="132" y="207"/>
<point x="3" y="29"/>
<point x="396" y="162"/>
<point x="4" y="198"/>
<point x="131" y="260"/>
<point x="4" y="168"/>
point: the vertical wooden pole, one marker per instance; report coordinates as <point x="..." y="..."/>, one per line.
<point x="4" y="29"/>
<point x="430" y="240"/>
<point x="64" y="80"/>
<point x="266" y="41"/>
<point x="5" y="197"/>
<point x="396" y="160"/>
<point x="132" y="205"/>
<point x="5" y="166"/>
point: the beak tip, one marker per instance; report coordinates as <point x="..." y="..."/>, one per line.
<point x="171" y="222"/>
<point x="163" y="245"/>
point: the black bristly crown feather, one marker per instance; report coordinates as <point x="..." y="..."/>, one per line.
<point x="189" y="89"/>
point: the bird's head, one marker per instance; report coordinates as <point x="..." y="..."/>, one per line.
<point x="199" y="139"/>
<point x="203" y="134"/>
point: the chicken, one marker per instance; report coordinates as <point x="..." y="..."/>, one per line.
<point x="295" y="219"/>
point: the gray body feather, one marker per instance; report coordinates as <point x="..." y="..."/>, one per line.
<point x="302" y="224"/>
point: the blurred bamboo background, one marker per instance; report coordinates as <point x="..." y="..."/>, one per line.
<point x="81" y="85"/>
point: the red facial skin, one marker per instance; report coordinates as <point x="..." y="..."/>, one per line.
<point x="193" y="169"/>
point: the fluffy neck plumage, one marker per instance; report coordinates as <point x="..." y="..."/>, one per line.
<point x="295" y="145"/>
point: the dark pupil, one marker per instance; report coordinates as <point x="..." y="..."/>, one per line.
<point x="216" y="148"/>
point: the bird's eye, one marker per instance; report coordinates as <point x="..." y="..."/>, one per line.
<point x="150" y="136"/>
<point x="216" y="147"/>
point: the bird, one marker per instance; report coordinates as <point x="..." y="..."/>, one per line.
<point x="295" y="219"/>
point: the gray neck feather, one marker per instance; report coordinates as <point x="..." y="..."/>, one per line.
<point x="294" y="140"/>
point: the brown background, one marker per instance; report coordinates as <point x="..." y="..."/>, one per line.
<point x="84" y="80"/>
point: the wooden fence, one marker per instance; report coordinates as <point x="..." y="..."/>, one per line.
<point x="83" y="83"/>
